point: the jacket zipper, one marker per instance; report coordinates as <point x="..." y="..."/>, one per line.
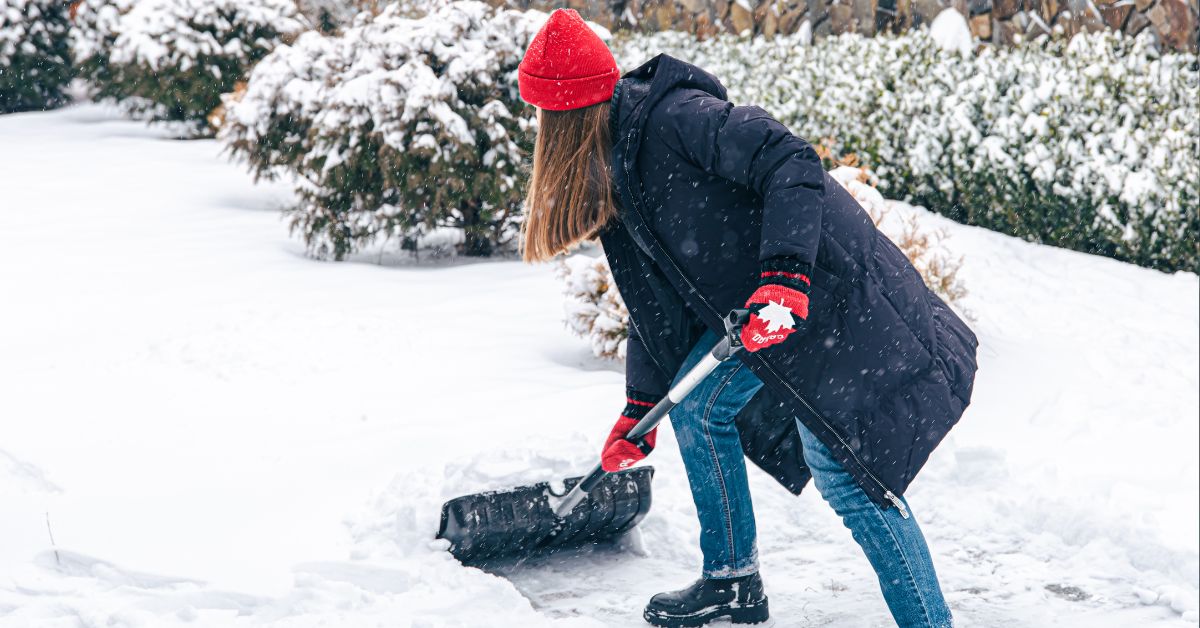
<point x="887" y="493"/>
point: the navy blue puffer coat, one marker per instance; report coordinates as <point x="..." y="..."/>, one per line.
<point x="707" y="191"/>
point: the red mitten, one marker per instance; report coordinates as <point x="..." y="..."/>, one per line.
<point x="779" y="306"/>
<point x="619" y="452"/>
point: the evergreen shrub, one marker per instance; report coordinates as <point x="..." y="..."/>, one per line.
<point x="93" y="33"/>
<point x="35" y="54"/>
<point x="397" y="128"/>
<point x="171" y="60"/>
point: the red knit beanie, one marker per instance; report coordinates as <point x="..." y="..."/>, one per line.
<point x="567" y="66"/>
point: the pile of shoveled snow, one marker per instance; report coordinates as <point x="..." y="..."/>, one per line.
<point x="202" y="427"/>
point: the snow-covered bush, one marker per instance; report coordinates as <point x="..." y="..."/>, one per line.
<point x="1091" y="144"/>
<point x="397" y="127"/>
<point x="35" y="55"/>
<point x="596" y="312"/>
<point x="172" y="59"/>
<point x="93" y="32"/>
<point x="594" y="308"/>
<point x="267" y="121"/>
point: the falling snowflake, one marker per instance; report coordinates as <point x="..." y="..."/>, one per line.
<point x="776" y="316"/>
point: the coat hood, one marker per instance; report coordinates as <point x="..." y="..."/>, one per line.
<point x="640" y="88"/>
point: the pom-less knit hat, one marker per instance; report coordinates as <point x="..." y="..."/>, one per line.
<point x="567" y="66"/>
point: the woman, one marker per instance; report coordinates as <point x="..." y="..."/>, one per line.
<point x="701" y="207"/>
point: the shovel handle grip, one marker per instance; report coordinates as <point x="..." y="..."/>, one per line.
<point x="723" y="350"/>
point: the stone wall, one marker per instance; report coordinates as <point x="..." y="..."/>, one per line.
<point x="1176" y="23"/>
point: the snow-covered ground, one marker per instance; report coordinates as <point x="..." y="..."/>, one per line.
<point x="201" y="427"/>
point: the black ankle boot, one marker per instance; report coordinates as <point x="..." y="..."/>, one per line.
<point x="740" y="599"/>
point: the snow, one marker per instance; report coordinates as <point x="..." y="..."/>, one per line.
<point x="804" y="34"/>
<point x="218" y="431"/>
<point x="951" y="31"/>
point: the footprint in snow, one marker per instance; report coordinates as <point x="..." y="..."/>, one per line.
<point x="1068" y="592"/>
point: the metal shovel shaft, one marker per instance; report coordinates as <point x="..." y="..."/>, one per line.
<point x="721" y="352"/>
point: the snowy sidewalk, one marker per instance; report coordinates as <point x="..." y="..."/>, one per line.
<point x="221" y="432"/>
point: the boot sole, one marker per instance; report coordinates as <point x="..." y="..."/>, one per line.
<point x="755" y="613"/>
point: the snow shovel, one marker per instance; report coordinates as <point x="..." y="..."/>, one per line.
<point x="542" y="516"/>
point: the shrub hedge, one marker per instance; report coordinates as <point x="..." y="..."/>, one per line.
<point x="1091" y="144"/>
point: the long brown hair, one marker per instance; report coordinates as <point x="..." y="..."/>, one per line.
<point x="570" y="193"/>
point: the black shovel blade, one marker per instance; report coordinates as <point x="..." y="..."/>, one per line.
<point x="521" y="521"/>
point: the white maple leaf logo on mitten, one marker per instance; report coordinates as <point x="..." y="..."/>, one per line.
<point x="776" y="316"/>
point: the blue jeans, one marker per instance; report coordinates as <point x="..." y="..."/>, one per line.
<point x="716" y="469"/>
